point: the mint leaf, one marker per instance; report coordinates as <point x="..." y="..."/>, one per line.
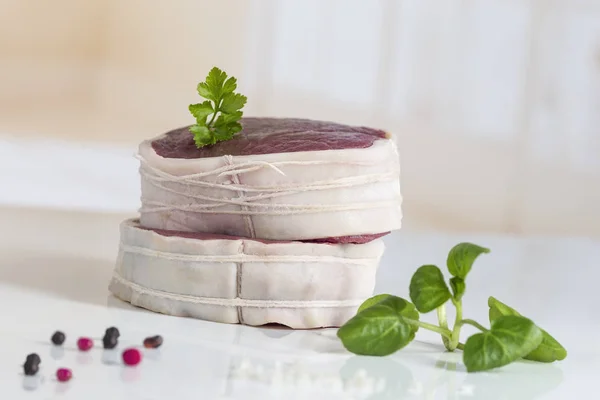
<point x="381" y="329"/>
<point x="220" y="114"/>
<point x="458" y="286"/>
<point x="461" y="258"/>
<point x="427" y="289"/>
<point x="549" y="350"/>
<point x="371" y="301"/>
<point x="499" y="309"/>
<point x="510" y="338"/>
<point x="409" y="310"/>
<point x="386" y="323"/>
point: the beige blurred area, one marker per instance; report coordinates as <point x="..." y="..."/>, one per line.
<point x="493" y="103"/>
<point x="109" y="70"/>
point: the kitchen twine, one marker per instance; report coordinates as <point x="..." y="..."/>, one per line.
<point x="247" y="197"/>
<point x="246" y="200"/>
<point x="241" y="258"/>
<point x="236" y="302"/>
<point x="238" y="259"/>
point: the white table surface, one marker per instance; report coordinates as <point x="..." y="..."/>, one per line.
<point x="54" y="270"/>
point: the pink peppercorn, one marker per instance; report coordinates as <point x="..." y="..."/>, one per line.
<point x="132" y="356"/>
<point x="63" y="374"/>
<point x="85" y="344"/>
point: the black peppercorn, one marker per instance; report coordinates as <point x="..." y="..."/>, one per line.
<point x="112" y="331"/>
<point x="109" y="342"/>
<point x="153" y="342"/>
<point x="58" y="338"/>
<point x="33" y="358"/>
<point x="111" y="338"/>
<point x="32" y="364"/>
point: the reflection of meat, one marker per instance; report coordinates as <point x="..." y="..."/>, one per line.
<point x="270" y="135"/>
<point x="278" y="179"/>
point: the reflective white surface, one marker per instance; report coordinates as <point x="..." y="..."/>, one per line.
<point x="54" y="270"/>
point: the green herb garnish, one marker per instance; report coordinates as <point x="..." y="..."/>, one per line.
<point x="386" y="323"/>
<point x="222" y="106"/>
<point x="549" y="349"/>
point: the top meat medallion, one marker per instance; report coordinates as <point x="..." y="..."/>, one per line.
<point x="280" y="179"/>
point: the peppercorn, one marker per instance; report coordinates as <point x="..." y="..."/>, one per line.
<point x="109" y="342"/>
<point x="84" y="344"/>
<point x="132" y="356"/>
<point x="153" y="342"/>
<point x="32" y="364"/>
<point x="63" y="374"/>
<point x="58" y="338"/>
<point x="111" y="338"/>
<point x="112" y="331"/>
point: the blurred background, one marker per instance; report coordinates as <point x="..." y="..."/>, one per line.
<point x="494" y="104"/>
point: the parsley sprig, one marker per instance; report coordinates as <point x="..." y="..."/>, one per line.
<point x="223" y="106"/>
<point x="386" y="323"/>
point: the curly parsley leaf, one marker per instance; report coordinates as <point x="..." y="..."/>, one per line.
<point x="202" y="110"/>
<point x="217" y="118"/>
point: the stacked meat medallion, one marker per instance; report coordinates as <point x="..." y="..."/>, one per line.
<point x="280" y="224"/>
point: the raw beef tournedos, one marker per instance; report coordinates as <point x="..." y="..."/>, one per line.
<point x="239" y="280"/>
<point x="280" y="179"/>
<point x="258" y="220"/>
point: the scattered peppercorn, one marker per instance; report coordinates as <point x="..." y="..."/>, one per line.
<point x="109" y="342"/>
<point x="84" y="344"/>
<point x="34" y="358"/>
<point x="64" y="374"/>
<point x="153" y="342"/>
<point x="32" y="364"/>
<point x="112" y="331"/>
<point x="58" y="338"/>
<point x="132" y="356"/>
<point x="111" y="338"/>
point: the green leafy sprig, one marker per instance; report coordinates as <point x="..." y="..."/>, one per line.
<point x="384" y="323"/>
<point x="223" y="106"/>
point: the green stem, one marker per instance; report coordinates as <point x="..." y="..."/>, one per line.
<point x="441" y="314"/>
<point x="438" y="329"/>
<point x="214" y="114"/>
<point x="473" y="323"/>
<point x="457" y="325"/>
<point x="460" y="346"/>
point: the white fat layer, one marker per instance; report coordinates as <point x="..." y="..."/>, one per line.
<point x="280" y="196"/>
<point x="301" y="285"/>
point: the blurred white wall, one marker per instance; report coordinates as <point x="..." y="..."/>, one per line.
<point x="494" y="103"/>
